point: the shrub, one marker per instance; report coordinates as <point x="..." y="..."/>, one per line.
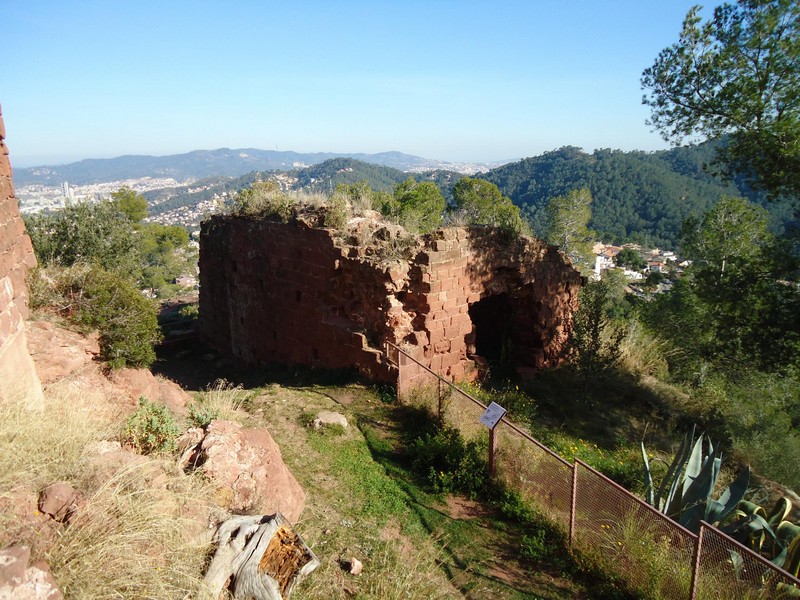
<point x="151" y="429"/>
<point x="201" y="415"/>
<point x="518" y="404"/>
<point x="334" y="214"/>
<point x="189" y="311"/>
<point x="265" y="198"/>
<point x="450" y="464"/>
<point x="93" y="298"/>
<point x="534" y="546"/>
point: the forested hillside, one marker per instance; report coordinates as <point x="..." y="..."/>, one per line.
<point x="638" y="196"/>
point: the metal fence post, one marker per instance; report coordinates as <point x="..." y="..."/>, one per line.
<point x="491" y="452"/>
<point x="439" y="395"/>
<point x="573" y="501"/>
<point x="401" y="358"/>
<point x="698" y="549"/>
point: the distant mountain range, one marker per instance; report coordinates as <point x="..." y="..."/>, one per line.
<point x="638" y="196"/>
<point x="201" y="164"/>
<point x="641" y="197"/>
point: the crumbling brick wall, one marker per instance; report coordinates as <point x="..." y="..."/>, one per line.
<point x="274" y="292"/>
<point x="17" y="373"/>
<point x="297" y="294"/>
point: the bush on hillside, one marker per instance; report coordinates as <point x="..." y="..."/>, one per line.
<point x="449" y="463"/>
<point x="92" y="298"/>
<point x="264" y="198"/>
<point x="151" y="429"/>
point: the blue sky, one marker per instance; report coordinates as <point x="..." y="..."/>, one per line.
<point x="452" y="80"/>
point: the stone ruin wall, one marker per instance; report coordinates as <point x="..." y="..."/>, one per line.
<point x="469" y="284"/>
<point x="271" y="292"/>
<point x="295" y="294"/>
<point x="17" y="373"/>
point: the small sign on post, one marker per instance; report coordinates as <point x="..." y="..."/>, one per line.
<point x="491" y="417"/>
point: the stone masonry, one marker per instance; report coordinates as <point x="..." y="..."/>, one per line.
<point x="17" y="374"/>
<point x="456" y="299"/>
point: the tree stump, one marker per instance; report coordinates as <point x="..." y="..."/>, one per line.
<point x="259" y="557"/>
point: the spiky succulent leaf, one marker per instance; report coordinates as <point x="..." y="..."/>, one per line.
<point x="779" y="512"/>
<point x="736" y="561"/>
<point x="718" y="511"/>
<point x="792" y="562"/>
<point x="648" y="479"/>
<point x="669" y="484"/>
<point x="751" y="508"/>
<point x="787" y="532"/>
<point x="786" y="590"/>
<point x="694" y="466"/>
<point x="698" y="492"/>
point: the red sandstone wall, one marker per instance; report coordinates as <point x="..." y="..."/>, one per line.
<point x="460" y="267"/>
<point x="274" y="292"/>
<point x="17" y="373"/>
<point x="288" y="293"/>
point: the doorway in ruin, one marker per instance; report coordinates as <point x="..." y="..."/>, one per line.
<point x="492" y="319"/>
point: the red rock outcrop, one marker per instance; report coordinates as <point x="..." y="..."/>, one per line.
<point x="246" y="467"/>
<point x="297" y="294"/>
<point x="17" y="374"/>
<point x="22" y="581"/>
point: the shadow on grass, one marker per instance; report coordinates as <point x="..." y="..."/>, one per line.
<point x="195" y="366"/>
<point x="476" y="551"/>
<point x="612" y="409"/>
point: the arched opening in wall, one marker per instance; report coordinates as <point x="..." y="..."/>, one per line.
<point x="492" y="319"/>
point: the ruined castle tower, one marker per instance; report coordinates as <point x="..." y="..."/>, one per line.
<point x="456" y="299"/>
<point x="17" y="374"/>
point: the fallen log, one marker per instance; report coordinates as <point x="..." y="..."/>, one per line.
<point x="258" y="557"/>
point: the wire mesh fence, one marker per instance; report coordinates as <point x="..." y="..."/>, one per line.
<point x="727" y="569"/>
<point x="604" y="522"/>
<point x="624" y="534"/>
<point x="535" y="472"/>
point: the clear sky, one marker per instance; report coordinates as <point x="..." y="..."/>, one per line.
<point x="454" y="80"/>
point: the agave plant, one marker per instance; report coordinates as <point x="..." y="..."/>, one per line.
<point x="684" y="494"/>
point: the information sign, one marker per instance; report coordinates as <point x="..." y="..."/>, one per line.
<point x="492" y="415"/>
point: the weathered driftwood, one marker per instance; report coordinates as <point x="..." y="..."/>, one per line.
<point x="259" y="557"/>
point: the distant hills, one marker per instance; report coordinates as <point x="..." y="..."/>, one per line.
<point x="640" y="197"/>
<point x="201" y="164"/>
<point x="323" y="177"/>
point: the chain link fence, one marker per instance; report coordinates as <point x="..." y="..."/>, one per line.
<point x="603" y="521"/>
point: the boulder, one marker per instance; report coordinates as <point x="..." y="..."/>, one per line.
<point x="189" y="446"/>
<point x="59" y="500"/>
<point x="136" y="383"/>
<point x="326" y="417"/>
<point x="105" y="458"/>
<point x="21" y="581"/>
<point x="247" y="468"/>
<point x="58" y="352"/>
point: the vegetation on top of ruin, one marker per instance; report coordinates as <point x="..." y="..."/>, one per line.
<point x="384" y="226"/>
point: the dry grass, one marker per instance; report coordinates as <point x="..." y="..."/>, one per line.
<point x="221" y="400"/>
<point x="38" y="448"/>
<point x="137" y="536"/>
<point x="643" y="353"/>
